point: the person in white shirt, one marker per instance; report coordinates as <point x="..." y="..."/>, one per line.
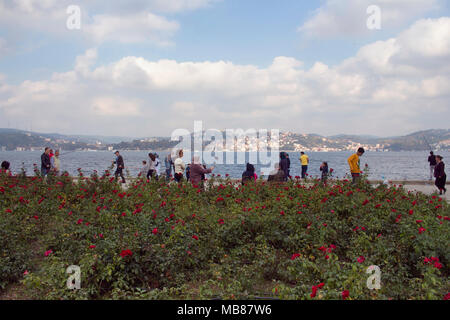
<point x="179" y="166"/>
<point x="157" y="166"/>
<point x="151" y="166"/>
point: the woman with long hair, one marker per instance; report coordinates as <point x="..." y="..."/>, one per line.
<point x="439" y="174"/>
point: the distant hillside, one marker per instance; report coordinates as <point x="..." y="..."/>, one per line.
<point x="439" y="139"/>
<point x="422" y="140"/>
<point x="12" y="139"/>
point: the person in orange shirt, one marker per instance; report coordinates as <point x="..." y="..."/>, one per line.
<point x="353" y="162"/>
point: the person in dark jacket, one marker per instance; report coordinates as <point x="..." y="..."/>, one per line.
<point x="45" y="162"/>
<point x="439" y="174"/>
<point x="5" y="167"/>
<point x="188" y="172"/>
<point x="432" y="161"/>
<point x="324" y="169"/>
<point x="249" y="174"/>
<point x="289" y="166"/>
<point x="284" y="165"/>
<point x="120" y="166"/>
<point x="169" y="165"/>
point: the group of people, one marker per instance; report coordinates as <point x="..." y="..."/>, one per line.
<point x="195" y="171"/>
<point x="437" y="170"/>
<point x="50" y="162"/>
<point x="282" y="170"/>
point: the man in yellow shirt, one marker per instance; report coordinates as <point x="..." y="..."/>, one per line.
<point x="304" y="159"/>
<point x="353" y="162"/>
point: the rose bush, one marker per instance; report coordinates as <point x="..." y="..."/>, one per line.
<point x="161" y="241"/>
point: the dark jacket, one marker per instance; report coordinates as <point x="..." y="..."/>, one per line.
<point x="284" y="166"/>
<point x="45" y="161"/>
<point x="324" y="170"/>
<point x="439" y="170"/>
<point x="432" y="160"/>
<point x="119" y="162"/>
<point x="249" y="174"/>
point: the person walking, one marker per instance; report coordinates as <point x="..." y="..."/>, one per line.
<point x="354" y="164"/>
<point x="45" y="162"/>
<point x="432" y="161"/>
<point x="179" y="166"/>
<point x="168" y="164"/>
<point x="304" y="159"/>
<point x="439" y="174"/>
<point x="120" y="166"/>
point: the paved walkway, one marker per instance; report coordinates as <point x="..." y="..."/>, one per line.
<point x="427" y="189"/>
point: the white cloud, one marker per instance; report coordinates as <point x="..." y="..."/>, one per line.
<point x="349" y="17"/>
<point x="134" y="28"/>
<point x="115" y="106"/>
<point x="388" y="87"/>
<point x="131" y="21"/>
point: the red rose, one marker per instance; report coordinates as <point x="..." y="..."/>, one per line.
<point x="361" y="259"/>
<point x="314" y="291"/>
<point x="345" y="294"/>
<point x="126" y="253"/>
<point x="155" y="231"/>
<point x="295" y="256"/>
<point x="194" y="237"/>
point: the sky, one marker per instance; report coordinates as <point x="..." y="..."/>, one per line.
<point x="144" y="68"/>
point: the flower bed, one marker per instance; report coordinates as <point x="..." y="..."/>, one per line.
<point x="159" y="241"/>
